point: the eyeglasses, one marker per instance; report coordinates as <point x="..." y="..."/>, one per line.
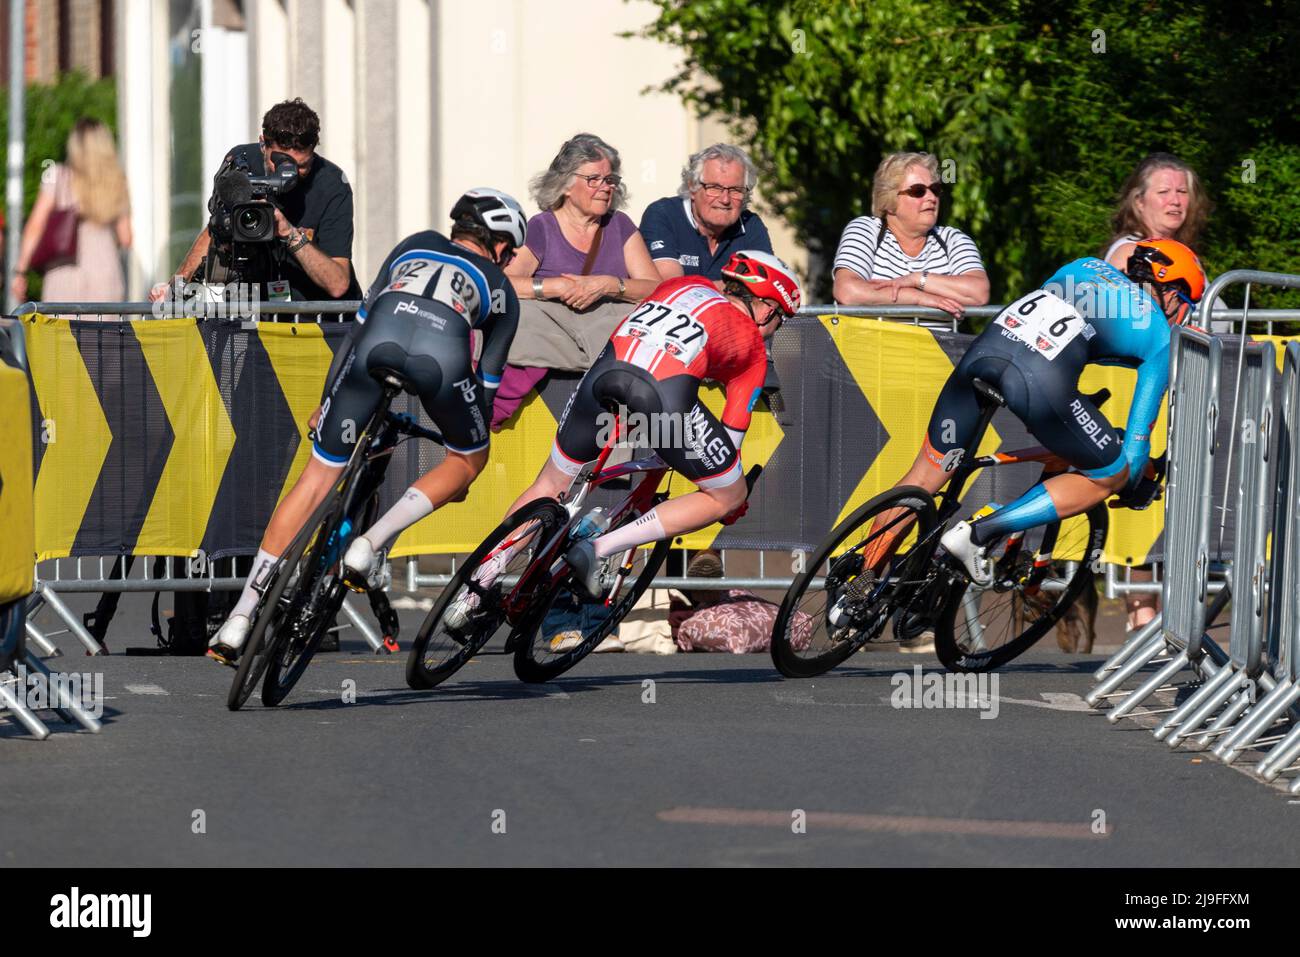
<point x="717" y="189"/>
<point x="917" y="190"/>
<point x="595" y="180"/>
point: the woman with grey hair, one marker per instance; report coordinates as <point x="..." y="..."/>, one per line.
<point x="899" y="255"/>
<point x="583" y="260"/>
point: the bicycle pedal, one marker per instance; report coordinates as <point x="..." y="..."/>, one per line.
<point x="390" y="645"/>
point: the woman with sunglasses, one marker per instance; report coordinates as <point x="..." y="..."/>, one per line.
<point x="584" y="260"/>
<point x="899" y="255"/>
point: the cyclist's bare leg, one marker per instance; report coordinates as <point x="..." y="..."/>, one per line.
<point x="1074" y="493"/>
<point x="450" y="479"/>
<point x="292" y="513"/>
<point x="923" y="473"/>
<point x="289" y="517"/>
<point x="675" y="517"/>
<point x="1070" y="494"/>
<point x="550" y="482"/>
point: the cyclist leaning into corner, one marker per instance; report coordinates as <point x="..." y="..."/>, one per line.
<point x="1033" y="354"/>
<point x="432" y="298"/>
<point x="685" y="331"/>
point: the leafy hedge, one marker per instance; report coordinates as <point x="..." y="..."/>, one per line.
<point x="1041" y="108"/>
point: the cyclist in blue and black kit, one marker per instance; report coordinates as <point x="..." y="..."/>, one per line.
<point x="435" y="305"/>
<point x="1033" y="354"/>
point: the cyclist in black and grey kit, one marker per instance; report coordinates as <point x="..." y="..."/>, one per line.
<point x="433" y="298"/>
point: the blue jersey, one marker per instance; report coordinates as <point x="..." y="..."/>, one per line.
<point x="1127" y="327"/>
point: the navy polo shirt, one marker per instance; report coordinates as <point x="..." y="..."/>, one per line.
<point x="669" y="229"/>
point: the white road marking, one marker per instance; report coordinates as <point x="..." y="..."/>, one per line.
<point x="146" y="689"/>
<point x="1053" y="700"/>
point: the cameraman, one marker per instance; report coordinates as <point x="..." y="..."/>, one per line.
<point x="312" y="250"/>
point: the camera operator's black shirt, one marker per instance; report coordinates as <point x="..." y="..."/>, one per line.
<point x="320" y="205"/>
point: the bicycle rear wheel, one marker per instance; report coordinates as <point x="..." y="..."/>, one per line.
<point x="547" y="645"/>
<point x="1037" y="580"/>
<point x="822" y="622"/>
<point x="476" y="594"/>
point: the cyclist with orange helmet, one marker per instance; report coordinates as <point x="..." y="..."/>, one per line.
<point x="1033" y="354"/>
<point x="684" y="332"/>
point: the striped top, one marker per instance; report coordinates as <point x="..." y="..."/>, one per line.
<point x="859" y="253"/>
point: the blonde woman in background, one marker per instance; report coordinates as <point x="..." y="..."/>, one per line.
<point x="1161" y="199"/>
<point x="92" y="182"/>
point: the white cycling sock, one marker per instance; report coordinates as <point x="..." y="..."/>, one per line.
<point x="248" y="598"/>
<point x="644" y="530"/>
<point x="410" y="508"/>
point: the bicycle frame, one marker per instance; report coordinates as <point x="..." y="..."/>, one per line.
<point x="547" y="570"/>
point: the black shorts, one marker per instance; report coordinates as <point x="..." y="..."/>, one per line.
<point x="427" y="344"/>
<point x="663" y="415"/>
<point x="1042" y="392"/>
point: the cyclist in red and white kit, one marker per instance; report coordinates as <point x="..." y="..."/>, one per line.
<point x="686" y="331"/>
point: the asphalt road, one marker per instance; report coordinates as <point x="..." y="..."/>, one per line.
<point x="683" y="759"/>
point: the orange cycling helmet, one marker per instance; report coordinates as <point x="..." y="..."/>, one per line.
<point x="765" y="277"/>
<point x="1167" y="262"/>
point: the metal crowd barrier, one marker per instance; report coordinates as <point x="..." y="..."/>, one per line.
<point x="90" y="575"/>
<point x="1251" y="695"/>
<point x="1193" y="413"/>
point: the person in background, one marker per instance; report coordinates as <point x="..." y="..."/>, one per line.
<point x="90" y="181"/>
<point x="899" y="255"/>
<point x="312" y="253"/>
<point x="583" y="263"/>
<point x="1161" y="199"/>
<point x="695" y="232"/>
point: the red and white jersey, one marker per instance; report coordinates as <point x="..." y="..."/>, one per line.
<point x="687" y="327"/>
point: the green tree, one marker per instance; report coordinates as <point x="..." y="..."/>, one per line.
<point x="1037" y="111"/>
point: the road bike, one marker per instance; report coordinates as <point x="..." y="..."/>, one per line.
<point x="304" y="590"/>
<point x="884" y="564"/>
<point x="518" y="578"/>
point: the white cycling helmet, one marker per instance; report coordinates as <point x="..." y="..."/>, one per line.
<point x="495" y="211"/>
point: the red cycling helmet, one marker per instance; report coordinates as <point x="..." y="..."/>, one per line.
<point x="765" y="277"/>
<point x="1167" y="262"/>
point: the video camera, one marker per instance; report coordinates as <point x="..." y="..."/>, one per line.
<point x="242" y="221"/>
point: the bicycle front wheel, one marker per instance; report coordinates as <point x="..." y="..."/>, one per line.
<point x="471" y="609"/>
<point x="1036" y="581"/>
<point x="823" y="620"/>
<point x="316" y="598"/>
<point x="271" y="613"/>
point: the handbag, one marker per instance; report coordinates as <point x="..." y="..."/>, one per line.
<point x="58" y="242"/>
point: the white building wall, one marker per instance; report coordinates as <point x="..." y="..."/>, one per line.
<point x="224" y="65"/>
<point x="421" y="99"/>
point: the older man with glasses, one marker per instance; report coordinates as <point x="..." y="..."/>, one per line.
<point x="695" y="232"/>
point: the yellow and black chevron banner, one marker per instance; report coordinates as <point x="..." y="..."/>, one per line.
<point x="17" y="541"/>
<point x="177" y="437"/>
